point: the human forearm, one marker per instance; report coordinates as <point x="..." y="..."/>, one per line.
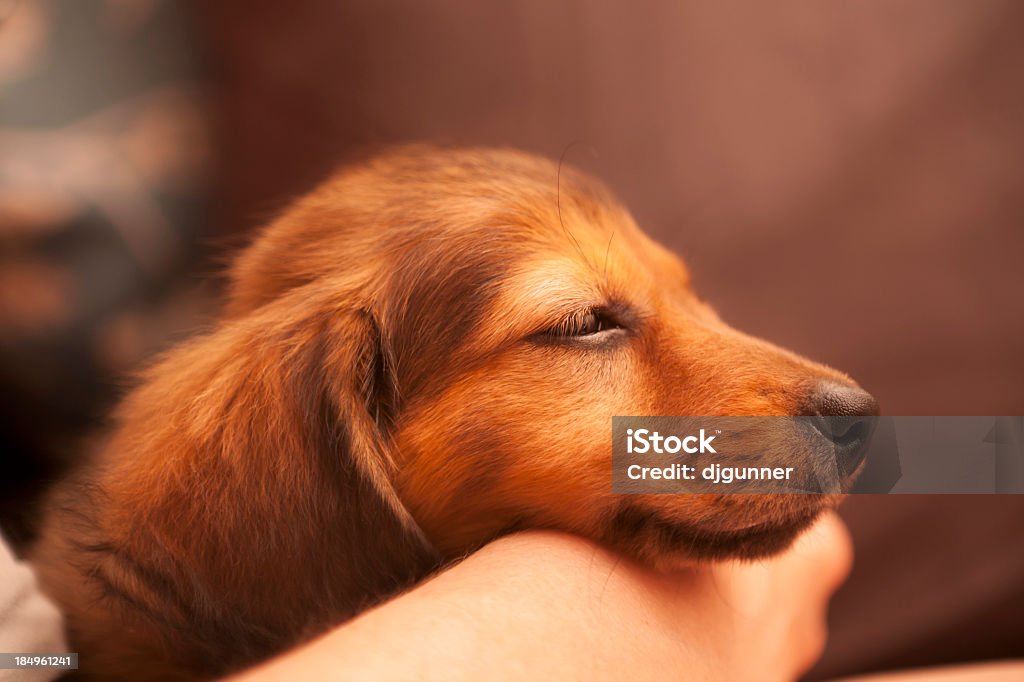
<point x="535" y="605"/>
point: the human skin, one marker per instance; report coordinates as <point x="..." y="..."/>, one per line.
<point x="541" y="605"/>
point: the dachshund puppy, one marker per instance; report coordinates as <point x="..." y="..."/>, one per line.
<point x="422" y="354"/>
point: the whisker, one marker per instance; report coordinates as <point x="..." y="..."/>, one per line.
<point x="607" y="255"/>
<point x="558" y="198"/>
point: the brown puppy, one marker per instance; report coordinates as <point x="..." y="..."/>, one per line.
<point x="421" y="355"/>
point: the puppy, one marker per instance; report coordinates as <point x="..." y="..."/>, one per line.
<point x="419" y="356"/>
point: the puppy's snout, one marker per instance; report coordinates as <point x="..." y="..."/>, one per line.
<point x="844" y="414"/>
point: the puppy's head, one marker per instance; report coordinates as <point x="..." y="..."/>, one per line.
<point x="516" y="307"/>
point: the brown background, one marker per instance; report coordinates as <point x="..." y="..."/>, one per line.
<point x="843" y="178"/>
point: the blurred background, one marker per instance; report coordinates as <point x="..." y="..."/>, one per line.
<point x="845" y="179"/>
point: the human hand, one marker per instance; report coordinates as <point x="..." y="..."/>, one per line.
<point x="759" y="620"/>
<point x="773" y="612"/>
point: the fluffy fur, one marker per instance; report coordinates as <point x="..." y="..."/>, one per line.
<point x="398" y="378"/>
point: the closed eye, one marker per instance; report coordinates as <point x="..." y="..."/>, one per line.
<point x="589" y="324"/>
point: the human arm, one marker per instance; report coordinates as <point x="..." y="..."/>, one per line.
<point x="542" y="605"/>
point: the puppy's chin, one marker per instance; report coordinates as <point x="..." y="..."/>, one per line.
<point x="665" y="543"/>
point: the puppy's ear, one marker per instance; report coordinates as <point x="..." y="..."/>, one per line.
<point x="247" y="493"/>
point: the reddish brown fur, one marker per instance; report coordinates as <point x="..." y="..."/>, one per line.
<point x="381" y="369"/>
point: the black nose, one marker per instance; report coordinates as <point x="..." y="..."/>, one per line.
<point x="844" y="415"/>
